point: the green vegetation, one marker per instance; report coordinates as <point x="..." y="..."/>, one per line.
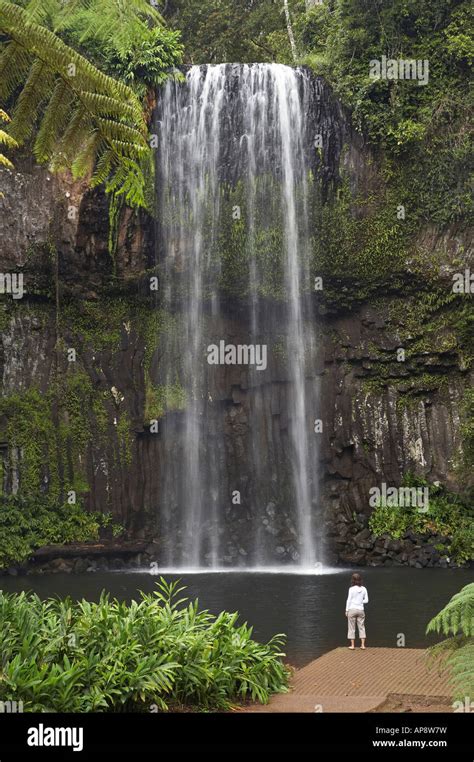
<point x="467" y="433"/>
<point x="419" y="134"/>
<point x="448" y="515"/>
<point x="209" y="30"/>
<point x="456" y="620"/>
<point x="128" y="41"/>
<point x="51" y="431"/>
<point x="78" y="80"/>
<point x="48" y="436"/>
<point x="55" y="63"/>
<point x="55" y="436"/>
<point x="234" y="240"/>
<point x="341" y="37"/>
<point x="358" y="238"/>
<point x="62" y="656"/>
<point x="160" y="399"/>
<point x="29" y="523"/>
<point x="88" y="121"/>
<point x="6" y="140"/>
<point x="95" y="324"/>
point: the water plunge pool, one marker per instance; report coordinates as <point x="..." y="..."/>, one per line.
<point x="309" y="608"/>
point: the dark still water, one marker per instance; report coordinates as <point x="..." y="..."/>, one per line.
<point x="308" y="608"/>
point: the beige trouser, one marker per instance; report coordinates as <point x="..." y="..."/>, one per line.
<point x="353" y="616"/>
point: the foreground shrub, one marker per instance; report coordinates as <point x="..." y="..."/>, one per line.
<point x="65" y="656"/>
<point x="456" y="620"/>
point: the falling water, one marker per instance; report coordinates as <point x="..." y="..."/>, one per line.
<point x="231" y="124"/>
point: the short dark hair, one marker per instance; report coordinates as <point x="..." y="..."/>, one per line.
<point x="356" y="579"/>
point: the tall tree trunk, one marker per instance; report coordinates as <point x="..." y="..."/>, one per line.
<point x="289" y="28"/>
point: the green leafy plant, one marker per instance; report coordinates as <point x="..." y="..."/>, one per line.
<point x="421" y="133"/>
<point x="147" y="63"/>
<point x="448" y="515"/>
<point x="456" y="620"/>
<point x="29" y="523"/>
<point x="88" y="122"/>
<point x="160" y="652"/>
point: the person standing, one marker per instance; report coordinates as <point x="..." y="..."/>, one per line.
<point x="355" y="610"/>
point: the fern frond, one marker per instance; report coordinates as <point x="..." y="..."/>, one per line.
<point x="15" y="63"/>
<point x="84" y="162"/>
<point x="49" y="48"/>
<point x="106" y="106"/>
<point x="457" y="651"/>
<point x="76" y="132"/>
<point x="4" y="162"/>
<point x="462" y="670"/>
<point x="125" y="149"/>
<point x="54" y="121"/>
<point x="43" y="11"/>
<point x="6" y="140"/>
<point x="34" y="93"/>
<point x="128" y="182"/>
<point x="457" y="615"/>
<point x="105" y="163"/>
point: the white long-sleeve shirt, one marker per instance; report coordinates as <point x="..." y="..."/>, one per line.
<point x="357" y="597"/>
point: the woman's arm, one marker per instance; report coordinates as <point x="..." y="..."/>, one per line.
<point x="349" y="596"/>
<point x="366" y="596"/>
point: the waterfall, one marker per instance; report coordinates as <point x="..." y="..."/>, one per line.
<point x="228" y="134"/>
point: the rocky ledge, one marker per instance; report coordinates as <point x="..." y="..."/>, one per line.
<point x="350" y="542"/>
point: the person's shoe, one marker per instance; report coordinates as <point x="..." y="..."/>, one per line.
<point x="351" y="648"/>
<point x="363" y="648"/>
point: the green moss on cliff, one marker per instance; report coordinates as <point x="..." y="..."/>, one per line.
<point x="48" y="434"/>
<point x="359" y="240"/>
<point x="163" y="398"/>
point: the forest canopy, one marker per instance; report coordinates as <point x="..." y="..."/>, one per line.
<point x="139" y="44"/>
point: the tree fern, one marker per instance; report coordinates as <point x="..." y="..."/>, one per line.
<point x="456" y="620"/>
<point x="82" y="112"/>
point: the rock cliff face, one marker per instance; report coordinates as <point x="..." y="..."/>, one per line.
<point x="383" y="414"/>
